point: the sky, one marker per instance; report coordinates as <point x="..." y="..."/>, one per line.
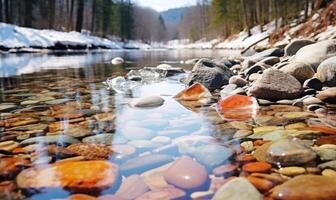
<point x="161" y="5"/>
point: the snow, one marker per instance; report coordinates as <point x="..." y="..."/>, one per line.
<point x="15" y="37"/>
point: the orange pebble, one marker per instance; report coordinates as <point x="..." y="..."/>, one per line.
<point x="81" y="197"/>
<point x="262" y="185"/>
<point x="257" y="167"/>
<point x="259" y="142"/>
<point x="245" y="158"/>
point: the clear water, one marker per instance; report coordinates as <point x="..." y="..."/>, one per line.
<point x="66" y="74"/>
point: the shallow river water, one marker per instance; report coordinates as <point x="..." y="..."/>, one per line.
<point x="53" y="107"/>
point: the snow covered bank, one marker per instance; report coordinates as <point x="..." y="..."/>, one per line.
<point x="15" y="37"/>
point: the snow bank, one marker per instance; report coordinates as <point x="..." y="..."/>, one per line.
<point x="15" y="37"/>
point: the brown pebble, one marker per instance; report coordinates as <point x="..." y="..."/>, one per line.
<point x="262" y="185"/>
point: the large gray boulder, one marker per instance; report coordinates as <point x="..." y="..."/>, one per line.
<point x="314" y="54"/>
<point x="292" y="48"/>
<point x="301" y="71"/>
<point x="326" y="72"/>
<point x="209" y="74"/>
<point x="276" y="85"/>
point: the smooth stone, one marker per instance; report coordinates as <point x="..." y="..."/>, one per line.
<point x="328" y="165"/>
<point x="328" y="95"/>
<point x="210" y="74"/>
<point x="51" y="139"/>
<point x="227" y="90"/>
<point x="8" y="145"/>
<point x="77" y="176"/>
<point x="29" y="102"/>
<point x="117" y="61"/>
<point x="326" y="72"/>
<point x="9" y="167"/>
<point x="307" y="187"/>
<point x="292" y="171"/>
<point x="286" y="152"/>
<point x="237" y="80"/>
<point x="91" y="151"/>
<point x="313" y="83"/>
<point x="329" y="173"/>
<point x="309" y="91"/>
<point x="132" y="187"/>
<point x="154" y="178"/>
<point x="164" y="140"/>
<point x="326" y="151"/>
<point x="143" y="144"/>
<point x="311" y="100"/>
<point x="147" y="102"/>
<point x="267" y="53"/>
<point x="276" y="85"/>
<point x="254" y="77"/>
<point x="254" y="69"/>
<point x="301" y="71"/>
<point x="314" y="54"/>
<point x="144" y="163"/>
<point x="137" y="133"/>
<point x="105" y="138"/>
<point x="186" y="173"/>
<point x="57" y="101"/>
<point x="270" y="60"/>
<point x="6" y="107"/>
<point x="296" y="45"/>
<point x="210" y="155"/>
<point x="237" y="188"/>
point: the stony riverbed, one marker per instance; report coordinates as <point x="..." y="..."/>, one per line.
<point x="259" y="127"/>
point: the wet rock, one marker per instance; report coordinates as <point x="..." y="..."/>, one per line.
<point x="238" y="188"/>
<point x="209" y="74"/>
<point x="237" y="107"/>
<point x="288" y="152"/>
<point x="296" y="45"/>
<point x="143" y="144"/>
<point x="132" y="187"/>
<point x="57" y="101"/>
<point x="313" y="83"/>
<point x="292" y="171"/>
<point x="164" y="193"/>
<point x="312" y="100"/>
<point x="6" y="107"/>
<point x="276" y="85"/>
<point x="169" y="70"/>
<point x="78" y="176"/>
<point x="51" y="139"/>
<point x="117" y="61"/>
<point x="227" y="90"/>
<point x="91" y="151"/>
<point x="196" y="92"/>
<point x="270" y="60"/>
<point x="301" y="71"/>
<point x="211" y="155"/>
<point x="267" y="53"/>
<point x="105" y="138"/>
<point x="144" y="163"/>
<point x="257" y="167"/>
<point x="186" y="173"/>
<point x="225" y="170"/>
<point x="311" y="187"/>
<point x="326" y="140"/>
<point x="328" y="95"/>
<point x="254" y="69"/>
<point x="137" y="133"/>
<point x="326" y="151"/>
<point x="9" y="167"/>
<point x="147" y="102"/>
<point x="326" y="72"/>
<point x="329" y="173"/>
<point x="263" y="185"/>
<point x="314" y="54"/>
<point x="328" y="165"/>
<point x="8" y="145"/>
<point x="237" y="80"/>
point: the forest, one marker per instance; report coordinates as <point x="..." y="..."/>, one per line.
<point x="125" y="20"/>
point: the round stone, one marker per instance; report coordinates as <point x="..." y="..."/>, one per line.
<point x="186" y="173"/>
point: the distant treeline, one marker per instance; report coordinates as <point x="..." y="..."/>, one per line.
<point x="120" y="18"/>
<point x="209" y="19"/>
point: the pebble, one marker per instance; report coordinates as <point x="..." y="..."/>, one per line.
<point x="263" y="185"/>
<point x="329" y="173"/>
<point x="147" y="102"/>
<point x="91" y="151"/>
<point x="292" y="171"/>
<point x="137" y="133"/>
<point x="225" y="170"/>
<point x="312" y="100"/>
<point x="287" y="152"/>
<point x="186" y="173"/>
<point x="117" y="61"/>
<point x="51" y="139"/>
<point x="311" y="187"/>
<point x="257" y="167"/>
<point x="328" y="95"/>
<point x="132" y="187"/>
<point x="237" y="188"/>
<point x="164" y="193"/>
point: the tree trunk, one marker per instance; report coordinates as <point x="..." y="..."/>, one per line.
<point x="246" y="24"/>
<point x="51" y="13"/>
<point x="306" y="9"/>
<point x="70" y="26"/>
<point x="93" y="17"/>
<point x="28" y="15"/>
<point x="7" y="12"/>
<point x="80" y="12"/>
<point x="0" y="10"/>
